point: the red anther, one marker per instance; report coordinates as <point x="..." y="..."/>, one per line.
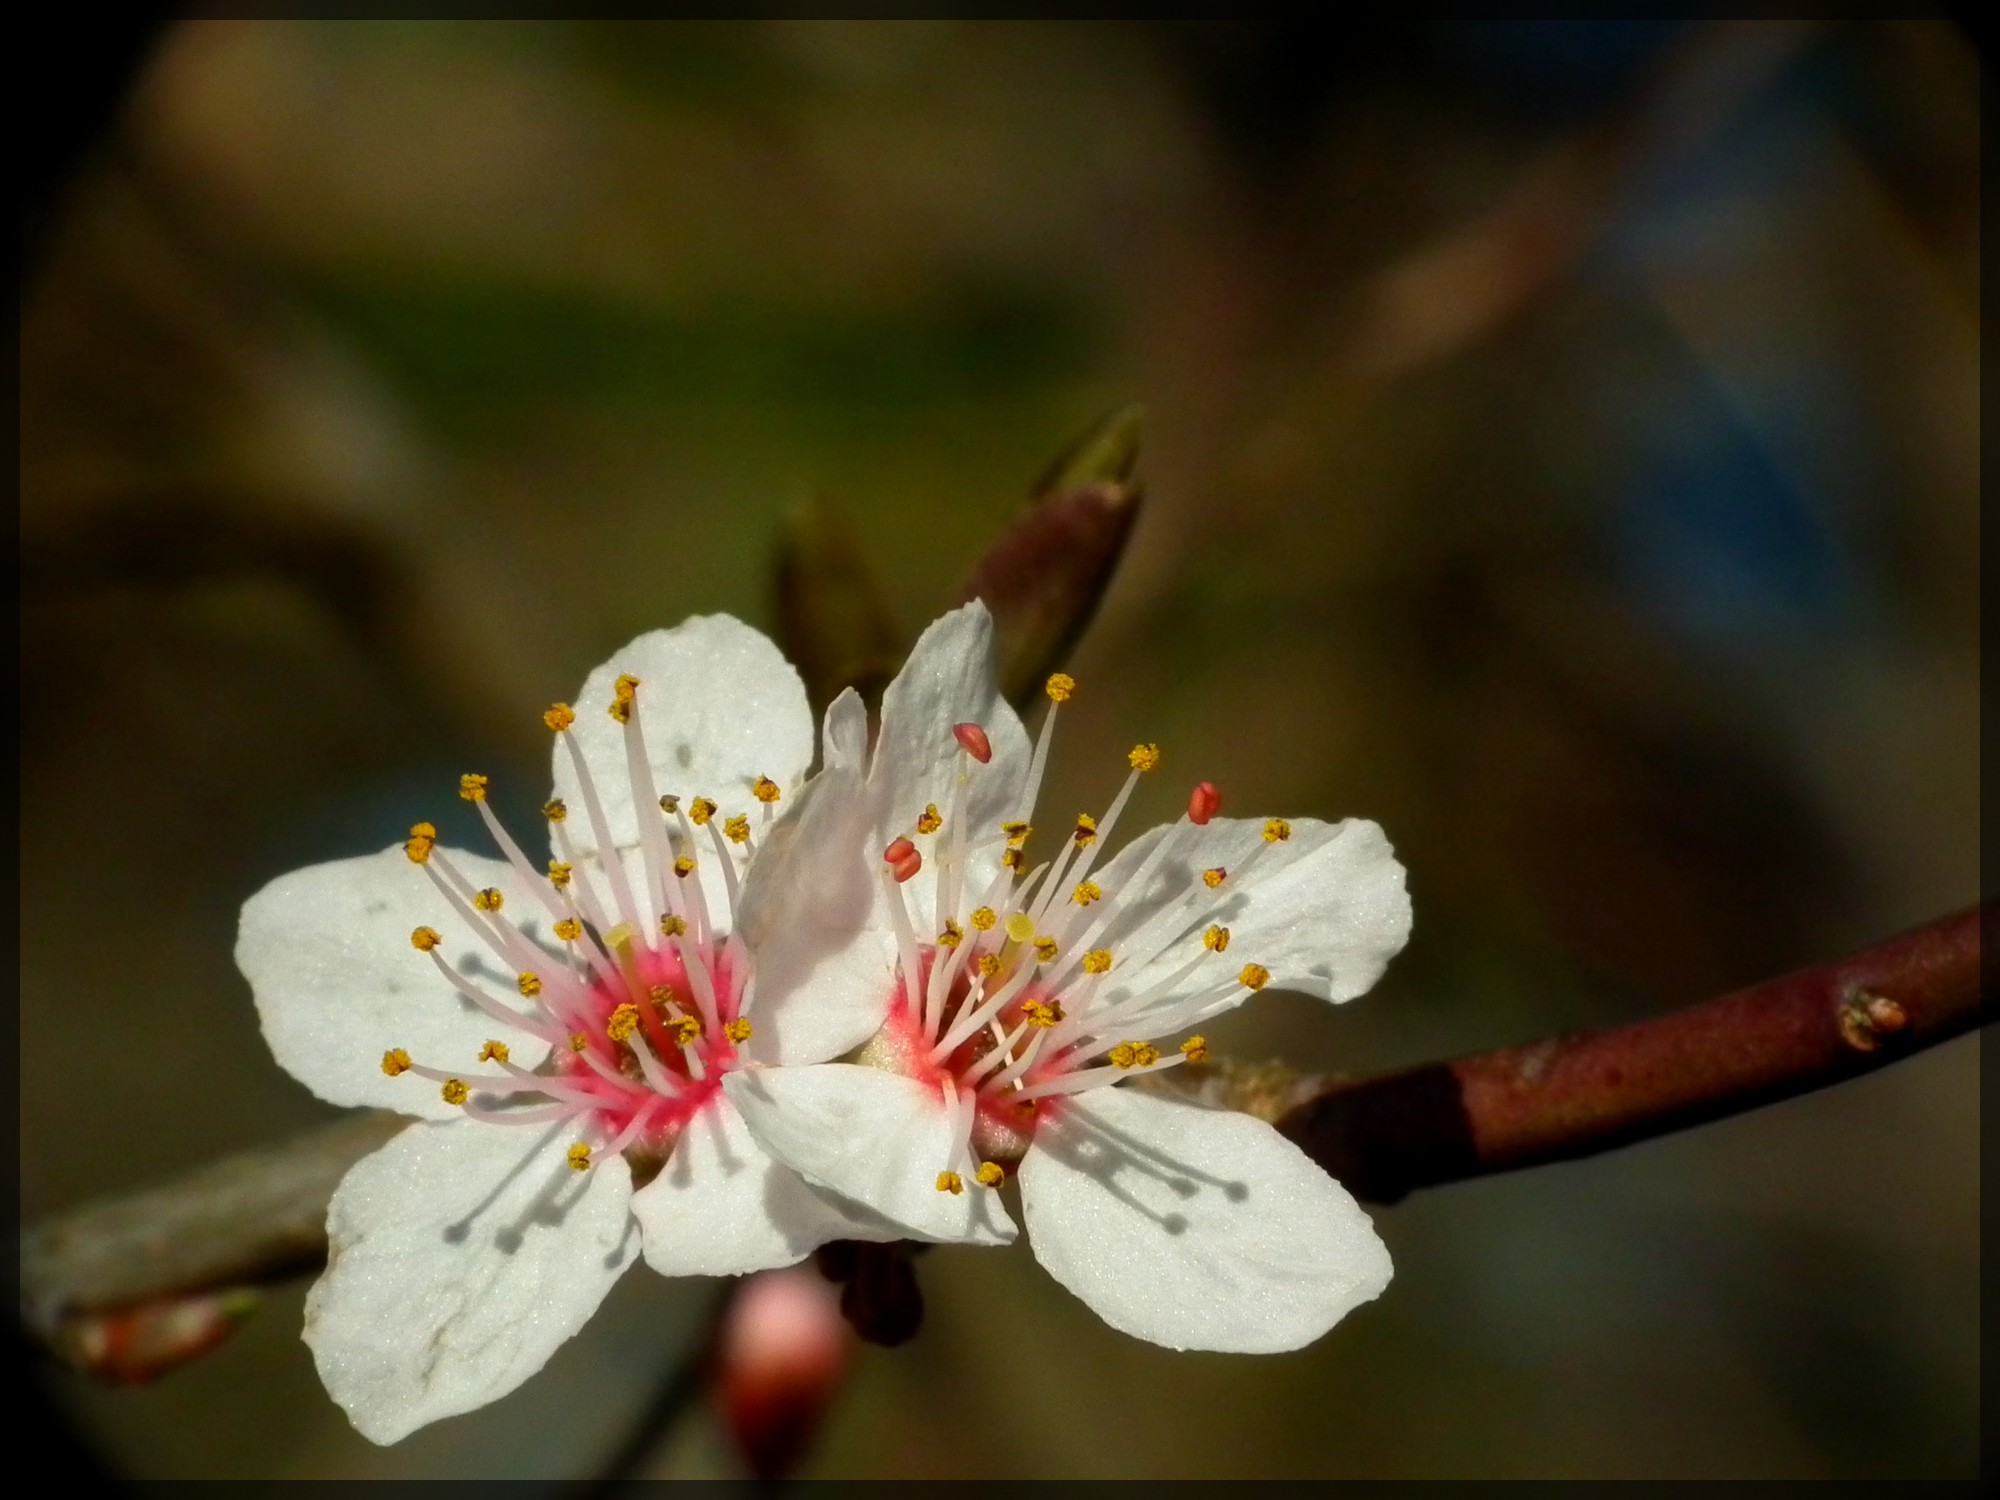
<point x="973" y="738"/>
<point x="902" y="859"/>
<point x="1204" y="802"/>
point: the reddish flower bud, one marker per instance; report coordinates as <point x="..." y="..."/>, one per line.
<point x="781" y="1354"/>
<point x="973" y="738"/>
<point x="1204" y="803"/>
<point x="902" y="859"/>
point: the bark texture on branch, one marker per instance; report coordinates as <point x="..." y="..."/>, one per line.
<point x="1577" y="1095"/>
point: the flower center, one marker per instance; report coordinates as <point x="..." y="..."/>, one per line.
<point x="1040" y="984"/>
<point x="643" y="998"/>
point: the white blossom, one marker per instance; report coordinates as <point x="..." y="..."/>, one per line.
<point x="1018" y="997"/>
<point x="563" y="1027"/>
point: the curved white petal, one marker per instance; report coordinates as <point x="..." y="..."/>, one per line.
<point x="1324" y="911"/>
<point x="1194" y="1228"/>
<point x="722" y="1207"/>
<point x="460" y="1257"/>
<point x="719" y="707"/>
<point x="948" y="680"/>
<point x="876" y="1138"/>
<point x="824" y="968"/>
<point x="844" y="737"/>
<point x="327" y="952"/>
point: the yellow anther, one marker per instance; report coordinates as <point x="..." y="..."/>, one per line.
<point x="1195" y="1049"/>
<point x="1088" y="892"/>
<point x="1017" y="833"/>
<point x="1045" y="949"/>
<point x="990" y="1174"/>
<point x="493" y="1052"/>
<point x="662" y="995"/>
<point x="764" y="789"/>
<point x="701" y="810"/>
<point x="950" y="1182"/>
<point x="559" y="874"/>
<point x="670" y="804"/>
<point x="952" y="935"/>
<point x="559" y="717"/>
<point x="1041" y="1014"/>
<point x="1020" y="927"/>
<point x="1012" y="859"/>
<point x="579" y="1157"/>
<point x="686" y="1030"/>
<point x="555" y="809"/>
<point x="1097" y="961"/>
<point x="472" y="787"/>
<point x="1254" y="976"/>
<point x="1276" y="831"/>
<point x="989" y="964"/>
<point x="569" y="929"/>
<point x="418" y="846"/>
<point x="424" y="939"/>
<point x="395" y="1062"/>
<point x="624" y="694"/>
<point x="672" y="925"/>
<point x="424" y="831"/>
<point x="737" y="1031"/>
<point x="1059" y="686"/>
<point x="1085" y="833"/>
<point x="624" y="1021"/>
<point x="1216" y="939"/>
<point x="929" y="820"/>
<point x="1134" y="1055"/>
<point x="737" y="829"/>
<point x="1215" y="877"/>
<point x="489" y="899"/>
<point x="684" y="866"/>
<point x="454" y="1091"/>
<point x="984" y="919"/>
<point x="529" y="984"/>
<point x="1144" y="757"/>
<point x="579" y="1041"/>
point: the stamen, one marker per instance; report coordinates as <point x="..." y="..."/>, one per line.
<point x="765" y="790"/>
<point x="984" y="918"/>
<point x="493" y="1051"/>
<point x="902" y="859"/>
<point x="472" y="787"/>
<point x="579" y="1156"/>
<point x="1045" y="949"/>
<point x="929" y="820"/>
<point x="1097" y="961"/>
<point x="1087" y="892"/>
<point x="1059" y="687"/>
<point x="701" y="810"/>
<point x="424" y="939"/>
<point x="973" y="739"/>
<point x="1204" y="803"/>
<point x="454" y="1091"/>
<point x="950" y="1182"/>
<point x="738" y="829"/>
<point x="1254" y="976"/>
<point x="990" y="1174"/>
<point x="1216" y="939"/>
<point x="1134" y="1055"/>
<point x="420" y="843"/>
<point x="559" y="717"/>
<point x="738" y="1031"/>
<point x="1195" y="1049"/>
<point x="1213" y="878"/>
<point x="1276" y="831"/>
<point x="395" y="1062"/>
<point x="1144" y="758"/>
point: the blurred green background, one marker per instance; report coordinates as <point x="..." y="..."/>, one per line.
<point x="1562" y="447"/>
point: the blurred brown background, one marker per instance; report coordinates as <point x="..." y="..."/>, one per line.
<point x="1562" y="447"/>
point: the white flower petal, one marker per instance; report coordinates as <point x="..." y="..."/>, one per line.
<point x="460" y="1257"/>
<point x="844" y="738"/>
<point x="824" y="967"/>
<point x="1324" y="911"/>
<point x="948" y="680"/>
<point x="719" y="706"/>
<point x="327" y="952"/>
<point x="1194" y="1228"/>
<point x="722" y="1207"/>
<point x="876" y="1138"/>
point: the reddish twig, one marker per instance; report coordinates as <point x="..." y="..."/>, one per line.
<point x="1575" y="1096"/>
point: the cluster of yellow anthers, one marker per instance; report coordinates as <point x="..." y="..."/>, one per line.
<point x="1022" y="933"/>
<point x="581" y="922"/>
